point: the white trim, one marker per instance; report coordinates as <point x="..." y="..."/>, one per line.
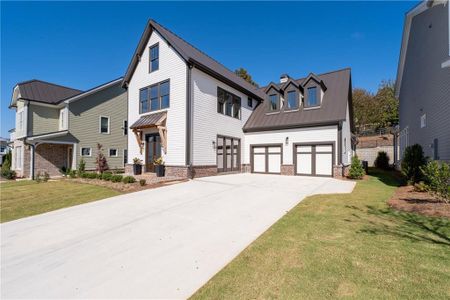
<point x="74" y="156"/>
<point x="109" y="152"/>
<point x="92" y="91"/>
<point x="55" y="134"/>
<point x="100" y="125"/>
<point x="90" y="151"/>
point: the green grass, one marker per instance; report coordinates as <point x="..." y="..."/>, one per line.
<point x="27" y="198"/>
<point x="342" y="246"/>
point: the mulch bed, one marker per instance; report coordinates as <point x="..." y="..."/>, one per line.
<point x="406" y="199"/>
<point x="128" y="187"/>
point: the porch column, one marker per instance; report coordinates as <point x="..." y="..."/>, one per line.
<point x="74" y="156"/>
<point x="32" y="152"/>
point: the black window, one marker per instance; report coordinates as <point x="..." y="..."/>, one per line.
<point x="228" y="104"/>
<point x="250" y="102"/>
<point x="125" y="127"/>
<point x="273" y="102"/>
<point x="125" y="156"/>
<point x="104" y="125"/>
<point x="292" y="100"/>
<point x="155" y="97"/>
<point x="312" y="97"/>
<point x="113" y="152"/>
<point x="154" y="57"/>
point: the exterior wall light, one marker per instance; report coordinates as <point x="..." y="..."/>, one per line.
<point x="287" y="141"/>
<point x="214" y="144"/>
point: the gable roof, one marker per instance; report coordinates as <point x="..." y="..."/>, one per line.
<point x="332" y="110"/>
<point x="192" y="56"/>
<point x="45" y="92"/>
<point x="314" y="77"/>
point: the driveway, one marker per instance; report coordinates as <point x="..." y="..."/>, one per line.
<point x="160" y="243"/>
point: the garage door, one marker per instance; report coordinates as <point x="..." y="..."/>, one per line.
<point x="266" y="159"/>
<point x="314" y="160"/>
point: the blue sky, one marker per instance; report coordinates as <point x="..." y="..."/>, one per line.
<point x="84" y="44"/>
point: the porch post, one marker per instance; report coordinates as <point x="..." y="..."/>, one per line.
<point x="32" y="150"/>
<point x="74" y="156"/>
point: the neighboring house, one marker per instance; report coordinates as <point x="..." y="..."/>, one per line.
<point x="4" y="148"/>
<point x="203" y="119"/>
<point x="58" y="126"/>
<point x="423" y="80"/>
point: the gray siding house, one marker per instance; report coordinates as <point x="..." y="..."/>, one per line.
<point x="423" y="80"/>
<point x="58" y="126"/>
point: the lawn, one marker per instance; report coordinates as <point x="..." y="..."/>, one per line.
<point x="336" y="246"/>
<point x="26" y="198"/>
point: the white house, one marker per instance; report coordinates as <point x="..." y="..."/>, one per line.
<point x="203" y="119"/>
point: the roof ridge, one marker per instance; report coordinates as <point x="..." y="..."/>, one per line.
<point x="51" y="83"/>
<point x="199" y="50"/>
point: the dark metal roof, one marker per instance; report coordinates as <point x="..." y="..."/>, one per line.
<point x="192" y="56"/>
<point x="331" y="111"/>
<point x="46" y="92"/>
<point x="148" y="120"/>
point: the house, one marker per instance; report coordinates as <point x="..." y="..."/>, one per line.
<point x="4" y="148"/>
<point x="423" y="80"/>
<point x="202" y="119"/>
<point x="57" y="126"/>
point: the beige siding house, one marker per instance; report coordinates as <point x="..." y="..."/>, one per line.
<point x="57" y="126"/>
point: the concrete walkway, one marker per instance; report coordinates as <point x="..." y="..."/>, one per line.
<point x="160" y="243"/>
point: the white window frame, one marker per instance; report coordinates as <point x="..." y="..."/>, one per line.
<point x="100" y="124"/>
<point x="109" y="152"/>
<point x="81" y="151"/>
<point x="423" y="121"/>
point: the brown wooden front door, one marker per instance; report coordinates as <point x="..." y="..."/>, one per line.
<point x="152" y="151"/>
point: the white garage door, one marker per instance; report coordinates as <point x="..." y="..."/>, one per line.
<point x="266" y="159"/>
<point x="314" y="160"/>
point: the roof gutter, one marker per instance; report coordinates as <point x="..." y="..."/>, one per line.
<point x="293" y="126"/>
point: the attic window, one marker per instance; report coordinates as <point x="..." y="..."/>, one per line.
<point x="292" y="100"/>
<point x="273" y="102"/>
<point x="154" y="57"/>
<point x="312" y="99"/>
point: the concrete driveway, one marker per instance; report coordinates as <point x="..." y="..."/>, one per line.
<point x="160" y="243"/>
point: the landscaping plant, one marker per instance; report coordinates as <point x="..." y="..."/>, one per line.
<point x="116" y="178"/>
<point x="356" y="169"/>
<point x="382" y="161"/>
<point x="129" y="179"/>
<point x="106" y="176"/>
<point x="142" y="182"/>
<point x="42" y="177"/>
<point x="438" y="179"/>
<point x="6" y="167"/>
<point x="101" y="162"/>
<point x="413" y="159"/>
<point x="81" y="166"/>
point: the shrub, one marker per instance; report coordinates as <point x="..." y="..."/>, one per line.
<point x="382" y="161"/>
<point x="92" y="175"/>
<point x="142" y="182"/>
<point x="438" y="178"/>
<point x="6" y="166"/>
<point x="413" y="159"/>
<point x="128" y="179"/>
<point x="81" y="166"/>
<point x="102" y="164"/>
<point x="42" y="177"/>
<point x="116" y="178"/>
<point x="72" y="173"/>
<point x="106" y="176"/>
<point x="9" y="174"/>
<point x="420" y="187"/>
<point x="356" y="169"/>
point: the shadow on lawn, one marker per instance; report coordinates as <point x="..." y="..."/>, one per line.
<point x="390" y="178"/>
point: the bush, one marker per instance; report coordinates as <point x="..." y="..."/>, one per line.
<point x="438" y="178"/>
<point x="72" y="173"/>
<point x="9" y="174"/>
<point x="420" y="187"/>
<point x="81" y="166"/>
<point x="42" y="177"/>
<point x="116" y="178"/>
<point x="382" y="161"/>
<point x="6" y="166"/>
<point x="413" y="160"/>
<point x="128" y="179"/>
<point x="356" y="169"/>
<point x="106" y="176"/>
<point x="92" y="175"/>
<point x="101" y="162"/>
<point x="142" y="182"/>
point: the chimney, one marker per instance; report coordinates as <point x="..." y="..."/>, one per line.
<point x="284" y="78"/>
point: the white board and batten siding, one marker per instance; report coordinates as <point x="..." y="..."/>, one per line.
<point x="207" y="123"/>
<point x="172" y="67"/>
<point x="298" y="135"/>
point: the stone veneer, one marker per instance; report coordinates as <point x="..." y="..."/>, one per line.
<point x="203" y="171"/>
<point x="178" y="171"/>
<point x="340" y="171"/>
<point x="287" y="170"/>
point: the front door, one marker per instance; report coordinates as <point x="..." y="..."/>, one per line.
<point x="152" y="151"/>
<point x="228" y="154"/>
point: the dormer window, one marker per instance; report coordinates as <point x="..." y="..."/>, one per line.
<point x="292" y="100"/>
<point x="273" y="102"/>
<point x="154" y="57"/>
<point x="313" y="99"/>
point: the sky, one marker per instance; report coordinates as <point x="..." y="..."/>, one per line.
<point x="85" y="44"/>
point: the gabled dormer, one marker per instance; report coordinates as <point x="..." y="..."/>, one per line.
<point x="314" y="89"/>
<point x="274" y="97"/>
<point x="292" y="94"/>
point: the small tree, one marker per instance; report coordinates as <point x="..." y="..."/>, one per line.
<point x="413" y="159"/>
<point x="102" y="164"/>
<point x="438" y="178"/>
<point x="81" y="166"/>
<point x="6" y="165"/>
<point x="382" y="161"/>
<point x="356" y="169"/>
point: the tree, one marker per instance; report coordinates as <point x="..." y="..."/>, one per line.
<point x="362" y="108"/>
<point x="241" y="72"/>
<point x="387" y="104"/>
<point x="102" y="164"/>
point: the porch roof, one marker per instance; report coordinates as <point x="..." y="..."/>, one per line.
<point x="148" y="120"/>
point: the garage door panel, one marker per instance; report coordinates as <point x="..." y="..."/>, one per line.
<point x="266" y="159"/>
<point x="274" y="163"/>
<point x="324" y="148"/>
<point x="259" y="163"/>
<point x="324" y="164"/>
<point x="304" y="163"/>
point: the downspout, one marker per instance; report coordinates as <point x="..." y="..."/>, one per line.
<point x="188" y="119"/>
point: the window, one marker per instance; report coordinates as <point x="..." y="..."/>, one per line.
<point x="312" y="97"/>
<point x="273" y="102"/>
<point x="19" y="157"/>
<point x="155" y="97"/>
<point x="86" y="152"/>
<point x="2" y="149"/>
<point x="292" y="100"/>
<point x="125" y="127"/>
<point x="104" y="125"/>
<point x="154" y="57"/>
<point x="113" y="152"/>
<point x="423" y="121"/>
<point x="228" y="104"/>
<point x="125" y="156"/>
<point x="250" y="102"/>
<point x="62" y="121"/>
